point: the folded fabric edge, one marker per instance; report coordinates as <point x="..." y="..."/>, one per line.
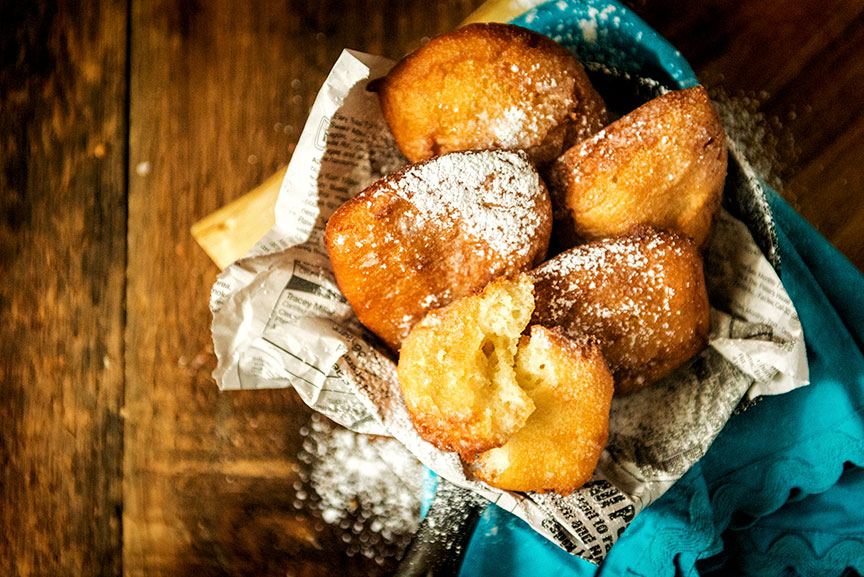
<point x="791" y="551"/>
<point x="696" y="532"/>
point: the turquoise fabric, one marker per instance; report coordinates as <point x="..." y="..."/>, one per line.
<point x="781" y="491"/>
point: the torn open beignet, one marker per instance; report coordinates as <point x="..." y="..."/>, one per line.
<point x="559" y="446"/>
<point x="535" y="408"/>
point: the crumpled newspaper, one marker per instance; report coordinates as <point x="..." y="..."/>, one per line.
<point x="279" y="320"/>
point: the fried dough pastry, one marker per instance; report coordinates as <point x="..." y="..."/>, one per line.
<point x="559" y="446"/>
<point x="662" y="165"/>
<point x="487" y="86"/>
<point x="436" y="231"/>
<point x="642" y="296"/>
<point x="456" y="369"/>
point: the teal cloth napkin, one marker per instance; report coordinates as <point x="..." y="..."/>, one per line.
<point x="780" y="491"/>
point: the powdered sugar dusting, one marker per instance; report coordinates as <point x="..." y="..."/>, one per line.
<point x="495" y="196"/>
<point x="582" y="269"/>
<point x="509" y="126"/>
<point x="764" y="141"/>
<point x="589" y="30"/>
<point x="621" y="291"/>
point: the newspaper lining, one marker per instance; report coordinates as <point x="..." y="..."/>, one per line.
<point x="280" y="320"/>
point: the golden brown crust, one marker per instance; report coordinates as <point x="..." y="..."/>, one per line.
<point x="662" y="165"/>
<point x="435" y="231"/>
<point x="487" y="86"/>
<point x="560" y="444"/>
<point x="642" y="295"/>
<point x="456" y="369"/>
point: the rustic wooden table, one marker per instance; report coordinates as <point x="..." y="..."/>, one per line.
<point x="124" y="122"/>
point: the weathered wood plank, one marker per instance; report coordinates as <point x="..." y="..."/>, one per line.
<point x="219" y="93"/>
<point x="62" y="264"/>
<point x="828" y="108"/>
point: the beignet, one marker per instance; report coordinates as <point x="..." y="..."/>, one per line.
<point x="663" y="165"/>
<point x="436" y="231"/>
<point x="487" y="86"/>
<point x="641" y="295"/>
<point x="560" y="444"/>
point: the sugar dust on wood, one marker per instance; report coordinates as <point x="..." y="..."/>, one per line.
<point x="367" y="487"/>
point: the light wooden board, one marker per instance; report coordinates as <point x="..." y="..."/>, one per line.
<point x="231" y="231"/>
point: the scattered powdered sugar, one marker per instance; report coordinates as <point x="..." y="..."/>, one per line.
<point x="588" y="26"/>
<point x="764" y="141"/>
<point x="369" y="487"/>
<point x="492" y="195"/>
<point x="589" y="30"/>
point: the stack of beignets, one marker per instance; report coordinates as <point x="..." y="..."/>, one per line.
<point x="513" y="368"/>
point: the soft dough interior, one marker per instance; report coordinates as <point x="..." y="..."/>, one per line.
<point x="501" y="322"/>
<point x="560" y="444"/>
<point x="457" y="369"/>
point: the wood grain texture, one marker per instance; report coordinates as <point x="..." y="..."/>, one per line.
<point x="117" y="452"/>
<point x="62" y="261"/>
<point x="219" y="93"/>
